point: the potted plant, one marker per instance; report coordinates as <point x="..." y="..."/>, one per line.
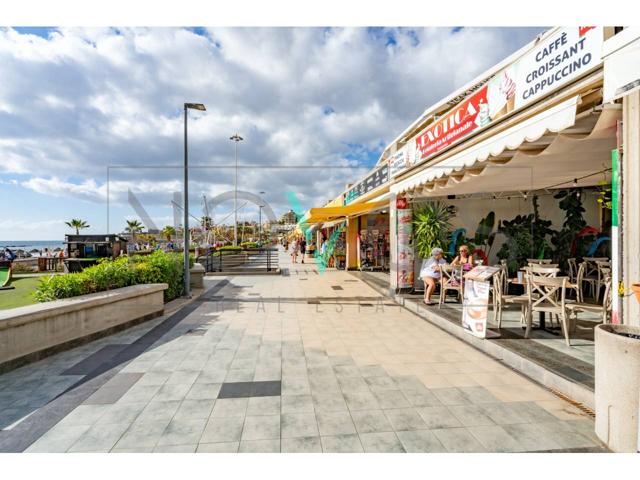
<point x="431" y="226"/>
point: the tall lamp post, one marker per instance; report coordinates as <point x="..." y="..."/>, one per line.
<point x="201" y="107"/>
<point x="236" y="138"/>
<point x="260" y="220"/>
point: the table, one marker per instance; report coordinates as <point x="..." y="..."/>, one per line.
<point x="542" y="318"/>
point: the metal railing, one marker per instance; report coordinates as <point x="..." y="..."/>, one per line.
<point x="246" y="261"/>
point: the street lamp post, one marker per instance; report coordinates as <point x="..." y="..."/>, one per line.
<point x="201" y="107"/>
<point x="236" y="138"/>
<point x="260" y="221"/>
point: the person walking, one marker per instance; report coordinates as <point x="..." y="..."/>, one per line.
<point x="293" y="248"/>
<point x="303" y="247"/>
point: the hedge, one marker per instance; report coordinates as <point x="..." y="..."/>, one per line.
<point x="158" y="267"/>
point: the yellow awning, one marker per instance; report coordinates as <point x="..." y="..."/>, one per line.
<point x="325" y="214"/>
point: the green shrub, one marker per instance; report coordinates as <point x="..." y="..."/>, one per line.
<point x="158" y="267"/>
<point x="249" y="245"/>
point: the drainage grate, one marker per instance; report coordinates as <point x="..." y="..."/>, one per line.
<point x="351" y="281"/>
<point x="366" y="304"/>
<point x="578" y="405"/>
<point x="313" y="302"/>
<point x="196" y="331"/>
<point x="303" y="279"/>
<point x="337" y="287"/>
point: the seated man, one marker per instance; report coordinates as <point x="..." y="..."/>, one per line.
<point x="430" y="273"/>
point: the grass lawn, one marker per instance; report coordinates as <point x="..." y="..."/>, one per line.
<point x="21" y="295"/>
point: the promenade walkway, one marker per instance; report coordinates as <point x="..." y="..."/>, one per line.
<point x="307" y="361"/>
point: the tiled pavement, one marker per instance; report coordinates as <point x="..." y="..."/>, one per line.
<point x="336" y="376"/>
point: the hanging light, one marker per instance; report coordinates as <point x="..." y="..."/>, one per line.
<point x="575" y="182"/>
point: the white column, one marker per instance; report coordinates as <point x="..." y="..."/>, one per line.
<point x="393" y="243"/>
<point x="630" y="227"/>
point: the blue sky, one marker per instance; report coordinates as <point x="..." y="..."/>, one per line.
<point x="322" y="102"/>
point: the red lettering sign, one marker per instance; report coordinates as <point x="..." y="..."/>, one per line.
<point x="401" y="203"/>
<point x="583" y="30"/>
<point x="459" y="122"/>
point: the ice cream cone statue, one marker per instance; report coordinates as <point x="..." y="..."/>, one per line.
<point x="504" y="96"/>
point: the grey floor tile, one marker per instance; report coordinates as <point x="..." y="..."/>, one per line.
<point x="298" y="404"/>
<point x="391" y="399"/>
<point x="505" y="413"/>
<point x="59" y="439"/>
<point x="244" y="375"/>
<point x="142" y="434"/>
<point x="370" y="421"/>
<point x="458" y="440"/>
<point x="154" y="378"/>
<point x="223" y="429"/>
<point x="372" y="371"/>
<point x="230" y="407"/>
<point x="353" y="384"/>
<point x="172" y="392"/>
<point x="203" y="391"/>
<point x="565" y="437"/>
<point x="346" y="371"/>
<point x="100" y="438"/>
<point x="478" y="395"/>
<point x="222" y="447"/>
<point x="469" y="415"/>
<point x="331" y="402"/>
<point x="182" y="377"/>
<point x="532" y="412"/>
<point x="335" y="423"/>
<point x="361" y="401"/>
<point x="341" y="444"/>
<point x="420" y="441"/>
<point x="495" y="439"/>
<point x="301" y="445"/>
<point x="381" y="442"/>
<point x="122" y="413"/>
<point x="139" y="393"/>
<point x="183" y="431"/>
<point x="158" y="412"/>
<point x="299" y="425"/>
<point x="438" y="417"/>
<point x="175" y="448"/>
<point x="381" y="383"/>
<point x="295" y="386"/>
<point x="84" y="415"/>
<point x="531" y="437"/>
<point x="408" y="382"/>
<point x="260" y="446"/>
<point x="405" y="419"/>
<point x="421" y="398"/>
<point x="263" y="406"/>
<point x="262" y="427"/>
<point x="451" y="396"/>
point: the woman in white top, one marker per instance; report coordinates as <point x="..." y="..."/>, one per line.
<point x="430" y="273"/>
<point x="293" y="248"/>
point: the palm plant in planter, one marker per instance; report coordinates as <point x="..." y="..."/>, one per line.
<point x="431" y="226"/>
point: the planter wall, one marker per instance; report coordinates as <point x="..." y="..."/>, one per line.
<point x="29" y="333"/>
<point x="617" y="386"/>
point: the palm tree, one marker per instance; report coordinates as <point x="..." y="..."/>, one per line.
<point x="134" y="226"/>
<point x="168" y="232"/>
<point x="77" y="224"/>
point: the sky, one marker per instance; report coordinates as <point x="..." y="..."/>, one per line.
<point x="315" y="108"/>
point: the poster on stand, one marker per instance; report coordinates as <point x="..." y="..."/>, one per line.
<point x="405" y="247"/>
<point x="475" y="307"/>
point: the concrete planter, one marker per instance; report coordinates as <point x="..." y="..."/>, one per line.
<point x="196" y="276"/>
<point x="617" y="392"/>
<point x="35" y="331"/>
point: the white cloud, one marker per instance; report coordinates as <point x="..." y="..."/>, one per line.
<point x="86" y="98"/>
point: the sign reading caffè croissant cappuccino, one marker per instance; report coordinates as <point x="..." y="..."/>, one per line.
<point x="554" y="61"/>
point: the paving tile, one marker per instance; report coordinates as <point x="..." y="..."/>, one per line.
<point x="58" y="440"/>
<point x="154" y="378"/>
<point x="183" y="431"/>
<point x="451" y="396"/>
<point x="262" y="427"/>
<point x="405" y="419"/>
<point x="333" y="402"/>
<point x="408" y="382"/>
<point x="361" y="401"/>
<point x="263" y="406"/>
<point x="203" y="391"/>
<point x="301" y="445"/>
<point x="140" y="393"/>
<point x="175" y="448"/>
<point x="84" y="415"/>
<point x="505" y="413"/>
<point x="221" y="447"/>
<point x="298" y="404"/>
<point x="122" y="413"/>
<point x="420" y="441"/>
<point x="341" y="444"/>
<point x="230" y="407"/>
<point x="346" y="371"/>
<point x="260" y="446"/>
<point x="172" y="392"/>
<point x="495" y="439"/>
<point x="158" y="412"/>
<point x="223" y="429"/>
<point x="298" y="425"/>
<point x="470" y="415"/>
<point x="564" y="436"/>
<point x="353" y="384"/>
<point x="244" y="375"/>
<point x="141" y="435"/>
<point x="458" y="440"/>
<point x="212" y="376"/>
<point x="438" y="417"/>
<point x="370" y="421"/>
<point x="381" y="383"/>
<point x="181" y="377"/>
<point x="195" y="409"/>
<point x="372" y="371"/>
<point x="381" y="442"/>
<point x="478" y="395"/>
<point x="335" y="423"/>
<point x="391" y="399"/>
<point x="531" y="437"/>
<point x="295" y="386"/>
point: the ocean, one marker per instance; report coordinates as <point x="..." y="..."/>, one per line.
<point x="28" y="245"/>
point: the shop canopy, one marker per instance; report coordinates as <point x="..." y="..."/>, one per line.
<point x="326" y="214"/>
<point x="548" y="150"/>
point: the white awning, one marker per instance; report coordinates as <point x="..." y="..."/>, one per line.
<point x="528" y="156"/>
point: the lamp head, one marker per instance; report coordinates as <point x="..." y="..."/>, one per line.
<point x="195" y="106"/>
<point x="236" y="138"/>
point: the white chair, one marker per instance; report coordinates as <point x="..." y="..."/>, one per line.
<point x="573" y="269"/>
<point x="450" y="279"/>
<point x="548" y="295"/>
<point x="501" y="299"/>
<point x="603" y="308"/>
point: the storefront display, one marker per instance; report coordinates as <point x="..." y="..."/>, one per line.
<point x="374" y="243"/>
<point x="405" y="246"/>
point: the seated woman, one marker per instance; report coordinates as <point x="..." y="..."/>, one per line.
<point x="430" y="273"/>
<point x="464" y="258"/>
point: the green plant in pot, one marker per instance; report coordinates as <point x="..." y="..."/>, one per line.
<point x="431" y="226"/>
<point x="574" y="222"/>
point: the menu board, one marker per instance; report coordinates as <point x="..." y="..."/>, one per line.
<point x="379" y="177"/>
<point x="481" y="272"/>
<point x="405" y="248"/>
<point x="475" y="307"/>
